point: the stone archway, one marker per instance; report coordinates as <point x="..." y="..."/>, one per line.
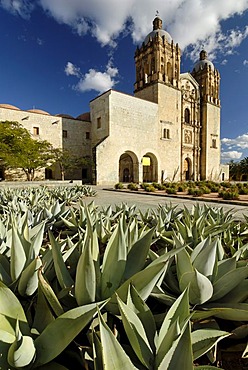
<point x="128" y="167"/>
<point x="187" y="169"/>
<point x="150" y="168"/>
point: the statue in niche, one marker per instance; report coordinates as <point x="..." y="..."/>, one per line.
<point x="188" y="137"/>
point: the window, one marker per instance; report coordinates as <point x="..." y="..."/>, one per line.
<point x="214" y="143"/>
<point x="36" y="131"/>
<point x="84" y="173"/>
<point x="166" y="133"/>
<point x="187" y="115"/>
<point x="99" y="122"/>
<point x="65" y="134"/>
<point x="87" y="135"/>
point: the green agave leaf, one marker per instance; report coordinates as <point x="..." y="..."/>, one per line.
<point x="28" y="282"/>
<point x="172" y="334"/>
<point x="137" y="255"/>
<point x="200" y="288"/>
<point x="114" y="262"/>
<point x="22" y="352"/>
<point x="225" y="266"/>
<point x="237" y="295"/>
<point x="206" y="259"/>
<point x="11" y="309"/>
<point x="136" y="334"/>
<point x="4" y="270"/>
<point x="97" y="352"/>
<point x="144" y="281"/>
<point x="180" y="354"/>
<point x="36" y="236"/>
<point x="178" y="312"/>
<point x="5" y="336"/>
<point x="204" y="339"/>
<point x="85" y="283"/>
<point x="228" y="282"/>
<point x="50" y="295"/>
<point x="60" y="332"/>
<point x="183" y="264"/>
<point x="199" y="248"/>
<point x="114" y="356"/>
<point x="18" y="256"/>
<point x="43" y="313"/>
<point x="135" y="302"/>
<point x="63" y="275"/>
<point x="232" y="312"/>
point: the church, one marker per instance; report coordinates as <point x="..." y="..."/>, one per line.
<point x="168" y="131"/>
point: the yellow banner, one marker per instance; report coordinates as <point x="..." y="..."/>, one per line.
<point x="146" y="161"/>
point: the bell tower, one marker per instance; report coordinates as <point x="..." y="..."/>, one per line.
<point x="208" y="78"/>
<point x="157" y="60"/>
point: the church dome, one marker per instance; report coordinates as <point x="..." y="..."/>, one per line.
<point x="203" y="62"/>
<point x="157" y="30"/>
<point x="9" y="106"/>
<point x="39" y="111"/>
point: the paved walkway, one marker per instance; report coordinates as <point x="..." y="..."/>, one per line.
<point x="106" y="197"/>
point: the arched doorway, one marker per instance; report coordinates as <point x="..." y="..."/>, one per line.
<point x="128" y="167"/>
<point x="48" y="174"/>
<point x="150" y="168"/>
<point x="2" y="174"/>
<point x="187" y="169"/>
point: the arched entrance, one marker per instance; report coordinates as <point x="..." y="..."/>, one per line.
<point x="128" y="167"/>
<point x="187" y="169"/>
<point x="150" y="168"/>
<point x="2" y="174"/>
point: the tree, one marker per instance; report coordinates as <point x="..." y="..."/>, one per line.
<point x="68" y="161"/>
<point x="244" y="168"/>
<point x="235" y="170"/>
<point x="19" y="150"/>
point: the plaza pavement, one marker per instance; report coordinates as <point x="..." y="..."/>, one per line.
<point x="106" y="196"/>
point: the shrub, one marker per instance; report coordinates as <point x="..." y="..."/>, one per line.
<point x="229" y="195"/>
<point x="225" y="184"/>
<point x="196" y="192"/>
<point x="150" y="188"/>
<point x="243" y="191"/>
<point x="205" y="189"/>
<point x="171" y="190"/>
<point x="133" y="186"/>
<point x="119" y="185"/>
<point x="158" y="186"/>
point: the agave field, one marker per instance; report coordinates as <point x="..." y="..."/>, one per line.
<point x="115" y="288"/>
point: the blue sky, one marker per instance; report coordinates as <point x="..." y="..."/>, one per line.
<point x="57" y="55"/>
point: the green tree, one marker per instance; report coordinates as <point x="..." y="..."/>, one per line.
<point x="19" y="150"/>
<point x="68" y="161"/>
<point x="235" y="170"/>
<point x="244" y="168"/>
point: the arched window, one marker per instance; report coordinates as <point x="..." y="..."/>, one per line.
<point x="187" y="115"/>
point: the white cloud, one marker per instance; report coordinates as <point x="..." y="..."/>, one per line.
<point x="245" y="62"/>
<point x="238" y="142"/>
<point x="192" y="23"/>
<point x="231" y="155"/>
<point x="22" y="8"/>
<point x="98" y="81"/>
<point x="72" y="70"/>
<point x="93" y="79"/>
<point x="224" y="62"/>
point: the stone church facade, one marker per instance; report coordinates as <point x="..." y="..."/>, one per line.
<point x="169" y="129"/>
